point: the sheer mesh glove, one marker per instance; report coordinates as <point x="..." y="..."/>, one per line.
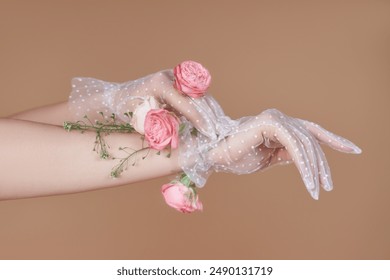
<point x="256" y="143"/>
<point x="91" y="96"/>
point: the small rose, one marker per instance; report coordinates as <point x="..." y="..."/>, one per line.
<point x="139" y="114"/>
<point x="181" y="197"/>
<point x="161" y="129"/>
<point x="191" y="78"/>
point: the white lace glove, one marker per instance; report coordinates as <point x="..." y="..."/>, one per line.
<point x="256" y="143"/>
<point x="91" y="96"/>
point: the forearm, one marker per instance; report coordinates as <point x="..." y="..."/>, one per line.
<point x="54" y="114"/>
<point x="41" y="160"/>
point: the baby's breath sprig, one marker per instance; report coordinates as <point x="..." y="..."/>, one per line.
<point x="124" y="162"/>
<point x="104" y="128"/>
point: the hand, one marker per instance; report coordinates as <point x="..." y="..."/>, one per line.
<point x="91" y="96"/>
<point x="274" y="138"/>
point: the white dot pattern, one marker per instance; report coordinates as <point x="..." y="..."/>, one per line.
<point x="256" y="143"/>
<point x="90" y="96"/>
<point x="238" y="146"/>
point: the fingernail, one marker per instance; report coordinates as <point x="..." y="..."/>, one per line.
<point x="328" y="184"/>
<point x="357" y="150"/>
<point x="310" y="186"/>
<point x="314" y="195"/>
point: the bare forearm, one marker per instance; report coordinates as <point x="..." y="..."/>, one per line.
<point x="54" y="114"/>
<point x="40" y="160"/>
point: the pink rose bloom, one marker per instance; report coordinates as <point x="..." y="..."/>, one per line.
<point x="139" y="114"/>
<point x="191" y="78"/>
<point x="161" y="129"/>
<point x="181" y="197"/>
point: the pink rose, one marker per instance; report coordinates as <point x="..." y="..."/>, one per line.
<point x="181" y="197"/>
<point x="139" y="114"/>
<point x="191" y="78"/>
<point x="161" y="129"/>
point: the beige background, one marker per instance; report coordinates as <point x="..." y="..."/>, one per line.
<point x="325" y="61"/>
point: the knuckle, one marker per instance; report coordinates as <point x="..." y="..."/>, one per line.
<point x="272" y="112"/>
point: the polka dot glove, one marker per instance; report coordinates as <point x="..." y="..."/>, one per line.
<point x="91" y="96"/>
<point x="256" y="143"/>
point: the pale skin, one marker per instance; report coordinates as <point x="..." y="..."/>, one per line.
<point x="53" y="161"/>
<point x="40" y="158"/>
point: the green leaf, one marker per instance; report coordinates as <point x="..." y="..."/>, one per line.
<point x="67" y="126"/>
<point x="185" y="180"/>
<point x="181" y="128"/>
<point x="194" y="132"/>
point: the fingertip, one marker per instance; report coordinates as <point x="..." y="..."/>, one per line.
<point x="315" y="195"/>
<point x="348" y="148"/>
<point x="351" y="147"/>
<point x="357" y="150"/>
<point x="353" y="150"/>
<point x="312" y="188"/>
<point x="328" y="187"/>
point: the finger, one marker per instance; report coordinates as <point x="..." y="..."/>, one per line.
<point x="160" y="86"/>
<point x="302" y="149"/>
<point x="322" y="164"/>
<point x="279" y="157"/>
<point x="186" y="107"/>
<point x="332" y="140"/>
<point x="309" y="148"/>
<point x="195" y="110"/>
<point x="267" y="128"/>
<point x="296" y="148"/>
<point x="325" y="175"/>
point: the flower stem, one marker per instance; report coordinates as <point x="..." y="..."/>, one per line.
<point x="100" y="128"/>
<point x="117" y="170"/>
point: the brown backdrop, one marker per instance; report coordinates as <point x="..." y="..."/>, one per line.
<point x="324" y="61"/>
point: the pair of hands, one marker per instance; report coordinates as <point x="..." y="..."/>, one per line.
<point x="239" y="146"/>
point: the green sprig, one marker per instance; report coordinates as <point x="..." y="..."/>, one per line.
<point x="104" y="128"/>
<point x="124" y="162"/>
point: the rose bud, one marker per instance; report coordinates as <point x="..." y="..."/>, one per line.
<point x="181" y="197"/>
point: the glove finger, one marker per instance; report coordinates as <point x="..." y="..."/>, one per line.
<point x="332" y="140"/>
